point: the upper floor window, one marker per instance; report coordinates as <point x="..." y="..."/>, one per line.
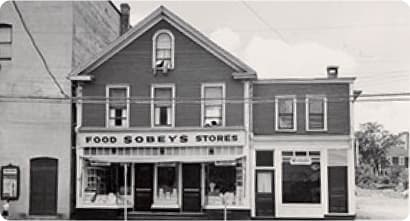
<point x="316" y="113"/>
<point x="117" y="106"/>
<point x="5" y="41"/>
<point x="213" y="105"/>
<point x="401" y="160"/>
<point x="163" y="51"/>
<point x="395" y="160"/>
<point x="163" y="105"/>
<point x="285" y="110"/>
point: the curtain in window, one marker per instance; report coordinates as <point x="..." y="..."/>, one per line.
<point x="264" y="180"/>
<point x="118" y="97"/>
<point x="163" y="46"/>
<point x="163" y="106"/>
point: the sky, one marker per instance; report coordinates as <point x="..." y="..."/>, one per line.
<point x="367" y="40"/>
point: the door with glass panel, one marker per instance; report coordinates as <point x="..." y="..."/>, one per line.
<point x="143" y="186"/>
<point x="265" y="193"/>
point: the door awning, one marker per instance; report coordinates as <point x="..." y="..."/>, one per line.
<point x="157" y="159"/>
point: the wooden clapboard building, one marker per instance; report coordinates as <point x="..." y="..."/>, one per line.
<point x="164" y="127"/>
<point x="154" y="110"/>
<point x="302" y="143"/>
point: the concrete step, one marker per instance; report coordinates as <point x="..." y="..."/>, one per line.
<point x="166" y="216"/>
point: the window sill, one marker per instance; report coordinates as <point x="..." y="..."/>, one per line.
<point x="286" y="130"/>
<point x="316" y="130"/>
<point x="239" y="207"/>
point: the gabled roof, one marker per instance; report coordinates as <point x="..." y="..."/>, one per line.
<point x="242" y="71"/>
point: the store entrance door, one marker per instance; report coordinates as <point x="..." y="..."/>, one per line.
<point x="43" y="186"/>
<point x="265" y="193"/>
<point x="143" y="186"/>
<point x="191" y="187"/>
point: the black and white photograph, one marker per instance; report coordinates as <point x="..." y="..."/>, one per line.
<point x="204" y="110"/>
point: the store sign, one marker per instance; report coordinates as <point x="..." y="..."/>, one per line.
<point x="10" y="182"/>
<point x="152" y="139"/>
<point x="300" y="160"/>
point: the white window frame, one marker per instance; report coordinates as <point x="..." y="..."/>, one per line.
<point x="107" y="104"/>
<point x="10" y="42"/>
<point x="154" y="47"/>
<point x="153" y="87"/>
<point x="203" y="86"/>
<point x="402" y="161"/>
<point x="316" y="96"/>
<point x="294" y="129"/>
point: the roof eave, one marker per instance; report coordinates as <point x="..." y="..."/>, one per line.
<point x="81" y="78"/>
<point x="244" y="76"/>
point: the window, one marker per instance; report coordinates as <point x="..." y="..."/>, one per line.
<point x="264" y="182"/>
<point x="395" y="160"/>
<point x="285" y="113"/>
<point x="167" y="192"/>
<point x="163" y="106"/>
<point x="118" y="106"/>
<point x="316" y="113"/>
<point x="213" y="105"/>
<point x="5" y="41"/>
<point x="401" y="161"/>
<point x="227" y="180"/>
<point x="163" y="50"/>
<point x="103" y="185"/>
<point x="264" y="158"/>
<point x="406" y="162"/>
<point x="301" y="177"/>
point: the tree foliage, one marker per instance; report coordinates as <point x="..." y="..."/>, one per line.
<point x="373" y="143"/>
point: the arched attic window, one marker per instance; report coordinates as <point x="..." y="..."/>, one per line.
<point x="163" y="50"/>
<point x="5" y="41"/>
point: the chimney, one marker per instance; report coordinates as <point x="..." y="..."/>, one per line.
<point x="124" y="18"/>
<point x="332" y="72"/>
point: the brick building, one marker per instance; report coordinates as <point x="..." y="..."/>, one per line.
<point x="35" y="134"/>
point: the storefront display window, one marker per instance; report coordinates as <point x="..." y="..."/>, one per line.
<point x="104" y="185"/>
<point x="301" y="177"/>
<point x="224" y="182"/>
<point x="167" y="191"/>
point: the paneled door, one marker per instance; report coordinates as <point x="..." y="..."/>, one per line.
<point x="43" y="186"/>
<point x="143" y="186"/>
<point x="265" y="193"/>
<point x="191" y="187"/>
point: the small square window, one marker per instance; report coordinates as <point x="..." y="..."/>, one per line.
<point x="264" y="158"/>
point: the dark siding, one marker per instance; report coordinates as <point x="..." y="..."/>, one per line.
<point x="193" y="66"/>
<point x="338" y="114"/>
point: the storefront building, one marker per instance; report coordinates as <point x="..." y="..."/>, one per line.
<point x="165" y="123"/>
<point x="156" y="129"/>
<point x="303" y="158"/>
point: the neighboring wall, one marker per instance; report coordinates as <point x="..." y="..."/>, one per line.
<point x="96" y="24"/>
<point x="133" y="65"/>
<point x="28" y="128"/>
<point x="338" y="109"/>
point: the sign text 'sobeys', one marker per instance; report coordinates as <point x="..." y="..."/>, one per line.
<point x="128" y="139"/>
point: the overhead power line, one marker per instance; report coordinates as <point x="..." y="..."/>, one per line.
<point x="43" y="60"/>
<point x="275" y="31"/>
<point x="381" y="97"/>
